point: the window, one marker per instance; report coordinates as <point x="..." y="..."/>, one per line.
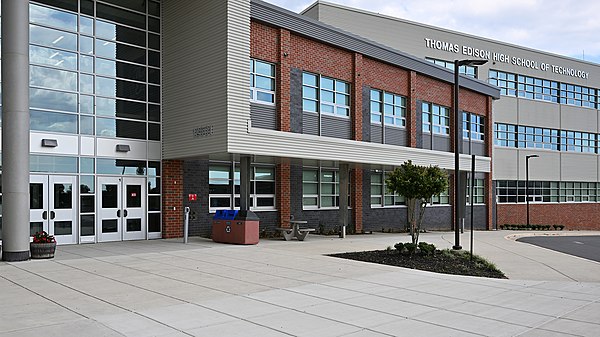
<point x="473" y="126"/>
<point x="512" y="191"/>
<point x="436" y="119"/>
<point x="325" y="95"/>
<point x="538" y="138"/>
<point x="467" y="70"/>
<point x="574" y="141"/>
<point x="221" y="194"/>
<point x="577" y="192"/>
<point x="381" y="196"/>
<point x="321" y="188"/>
<point x="478" y="193"/>
<point x="442" y="198"/>
<point x="507" y="82"/>
<point x="578" y="95"/>
<point x="262" y="82"/>
<point x="389" y="107"/>
<point x="545" y="90"/>
<point x="537" y="88"/>
<point x="505" y="135"/>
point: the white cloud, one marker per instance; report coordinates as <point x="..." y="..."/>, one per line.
<point x="565" y="27"/>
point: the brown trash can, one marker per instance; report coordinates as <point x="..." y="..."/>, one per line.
<point x="238" y="227"/>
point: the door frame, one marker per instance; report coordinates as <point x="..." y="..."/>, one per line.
<point x="48" y="214"/>
<point x="121" y="212"/>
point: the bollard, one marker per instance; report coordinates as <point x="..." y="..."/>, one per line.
<point x="186" y="222"/>
<point x="343" y="232"/>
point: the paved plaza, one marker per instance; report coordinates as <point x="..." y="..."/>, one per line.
<point x="289" y="288"/>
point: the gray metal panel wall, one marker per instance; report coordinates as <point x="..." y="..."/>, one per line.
<point x="336" y="127"/>
<point x="314" y="29"/>
<point x="296" y="124"/>
<point x="376" y="133"/>
<point x="195" y="89"/>
<point x="310" y="123"/>
<point x="263" y="116"/>
<point x="395" y="136"/>
<point x="238" y="54"/>
<point x="366" y="113"/>
<point x="441" y="143"/>
<point x="473" y="147"/>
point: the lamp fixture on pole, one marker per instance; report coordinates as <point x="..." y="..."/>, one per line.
<point x="457" y="139"/>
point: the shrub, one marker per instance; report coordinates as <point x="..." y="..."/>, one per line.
<point x="427" y="248"/>
<point x="411" y="248"/>
<point x="399" y="246"/>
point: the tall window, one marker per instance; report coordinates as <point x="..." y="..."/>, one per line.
<point x="96" y="75"/>
<point x="262" y="82"/>
<point x="325" y="95"/>
<point x="381" y="196"/>
<point x="222" y="193"/>
<point x="436" y="118"/>
<point x="473" y="126"/>
<point x="321" y="188"/>
<point x="442" y="198"/>
<point x="388" y="107"/>
<point x="478" y="191"/>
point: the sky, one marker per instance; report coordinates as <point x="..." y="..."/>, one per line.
<point x="564" y="27"/>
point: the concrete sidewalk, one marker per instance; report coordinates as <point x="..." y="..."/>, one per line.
<point x="278" y="288"/>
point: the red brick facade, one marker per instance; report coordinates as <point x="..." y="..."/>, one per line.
<point x="289" y="51"/>
<point x="172" y="198"/>
<point x="282" y="190"/>
<point x="581" y="216"/>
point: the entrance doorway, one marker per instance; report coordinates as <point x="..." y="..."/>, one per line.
<point x="53" y="206"/>
<point x="121" y="205"/>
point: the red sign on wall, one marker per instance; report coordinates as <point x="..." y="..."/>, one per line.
<point x="192" y="197"/>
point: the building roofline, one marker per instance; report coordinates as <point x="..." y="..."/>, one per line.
<point x="445" y="30"/>
<point x="314" y="29"/>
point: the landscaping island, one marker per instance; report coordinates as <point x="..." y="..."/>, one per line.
<point x="442" y="261"/>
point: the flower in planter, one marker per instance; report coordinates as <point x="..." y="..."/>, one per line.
<point x="43" y="237"/>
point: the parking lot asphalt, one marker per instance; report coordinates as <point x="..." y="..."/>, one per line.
<point x="587" y="247"/>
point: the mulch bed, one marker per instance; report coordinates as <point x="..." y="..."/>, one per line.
<point x="446" y="263"/>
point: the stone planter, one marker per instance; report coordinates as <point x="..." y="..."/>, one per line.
<point x="42" y="250"/>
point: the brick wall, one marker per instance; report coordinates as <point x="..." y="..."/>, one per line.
<point x="294" y="54"/>
<point x="579" y="216"/>
<point x="172" y="196"/>
<point x="282" y="190"/>
<point x="382" y="76"/>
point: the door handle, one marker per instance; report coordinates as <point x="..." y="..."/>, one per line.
<point x="118" y="213"/>
<point x="125" y="211"/>
<point x="45" y="215"/>
<point x="52" y="215"/>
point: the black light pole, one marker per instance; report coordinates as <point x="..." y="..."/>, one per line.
<point x="457" y="139"/>
<point x="527" y="181"/>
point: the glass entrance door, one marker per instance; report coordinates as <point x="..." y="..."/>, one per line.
<point x="121" y="209"/>
<point x="53" y="206"/>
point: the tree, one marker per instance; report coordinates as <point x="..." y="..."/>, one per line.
<point x="418" y="184"/>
